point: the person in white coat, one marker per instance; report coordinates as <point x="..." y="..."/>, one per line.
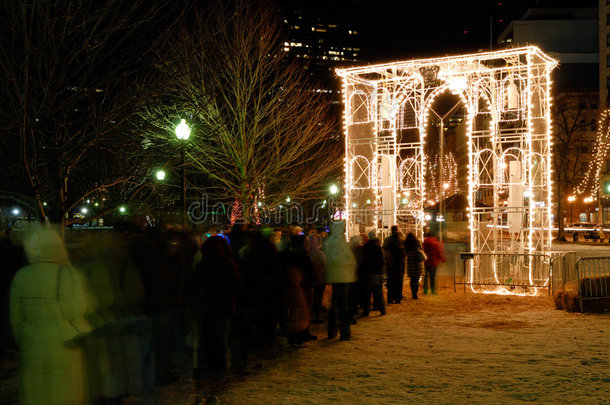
<point x="47" y="309"/>
<point x="341" y="273"/>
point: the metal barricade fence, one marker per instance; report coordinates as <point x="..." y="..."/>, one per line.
<point x="508" y="270"/>
<point x="593" y="279"/>
<point x="564" y="275"/>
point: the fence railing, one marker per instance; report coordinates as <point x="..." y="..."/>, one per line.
<point x="564" y="275"/>
<point x="510" y="271"/>
<point x="593" y="279"/>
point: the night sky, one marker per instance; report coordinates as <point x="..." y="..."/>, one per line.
<point x="397" y="30"/>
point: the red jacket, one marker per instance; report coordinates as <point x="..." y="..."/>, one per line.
<point x="434" y="250"/>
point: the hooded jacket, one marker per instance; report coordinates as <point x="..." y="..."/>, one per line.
<point x="47" y="309"/>
<point x="341" y="264"/>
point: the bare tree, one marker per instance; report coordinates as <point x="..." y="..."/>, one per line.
<point x="572" y="120"/>
<point x="71" y="75"/>
<point x="261" y="132"/>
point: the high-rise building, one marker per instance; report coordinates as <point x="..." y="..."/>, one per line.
<point x="325" y="33"/>
<point x="577" y="34"/>
<point x="569" y="34"/>
<point x="604" y="51"/>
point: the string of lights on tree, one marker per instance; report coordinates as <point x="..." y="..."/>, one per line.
<point x="450" y="179"/>
<point x="590" y="184"/>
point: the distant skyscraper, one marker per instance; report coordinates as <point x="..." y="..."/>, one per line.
<point x="569" y="34"/>
<point x="604" y="51"/>
<point x="325" y="33"/>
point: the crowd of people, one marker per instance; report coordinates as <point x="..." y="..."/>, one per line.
<point x="115" y="305"/>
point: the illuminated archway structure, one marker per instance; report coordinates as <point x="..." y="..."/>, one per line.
<point x="507" y="98"/>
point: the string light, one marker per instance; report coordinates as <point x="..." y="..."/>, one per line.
<point x="590" y="183"/>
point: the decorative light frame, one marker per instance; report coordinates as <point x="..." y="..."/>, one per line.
<point x="399" y="96"/>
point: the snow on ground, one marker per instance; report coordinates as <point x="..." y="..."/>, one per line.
<point x="453" y="348"/>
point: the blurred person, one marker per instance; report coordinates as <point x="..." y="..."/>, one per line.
<point x="238" y="238"/>
<point x="415" y="262"/>
<point x="47" y="312"/>
<point x="318" y="257"/>
<point x="435" y="256"/>
<point x="373" y="266"/>
<point x="355" y="294"/>
<point x="217" y="280"/>
<point x="299" y="273"/>
<point x="323" y="237"/>
<point x="119" y="352"/>
<point x="261" y="265"/>
<point x="244" y="331"/>
<point x="395" y="265"/>
<point x="341" y="273"/>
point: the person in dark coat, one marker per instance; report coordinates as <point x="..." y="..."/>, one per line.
<point x="218" y="279"/>
<point x="300" y="276"/>
<point x="261" y="291"/>
<point x="415" y="262"/>
<point x="373" y="265"/>
<point x="395" y="261"/>
<point x="318" y="257"/>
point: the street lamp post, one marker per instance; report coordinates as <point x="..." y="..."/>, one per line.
<point x="183" y="131"/>
<point x="160" y="176"/>
<point x="334" y="189"/>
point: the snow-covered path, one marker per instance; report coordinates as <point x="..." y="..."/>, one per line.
<point x="453" y="348"/>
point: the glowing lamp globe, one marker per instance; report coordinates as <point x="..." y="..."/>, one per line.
<point x="183" y="131"/>
<point x="122" y="209"/>
<point x="334" y="189"/>
<point x="160" y="175"/>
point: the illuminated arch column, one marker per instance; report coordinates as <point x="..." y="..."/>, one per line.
<point x="507" y="96"/>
